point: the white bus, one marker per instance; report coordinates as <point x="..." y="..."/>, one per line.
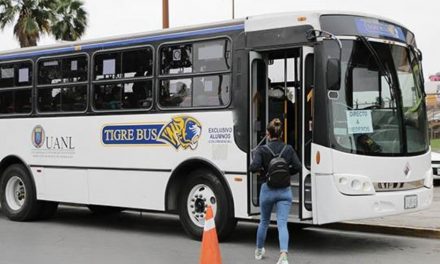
<point x="166" y="121"/>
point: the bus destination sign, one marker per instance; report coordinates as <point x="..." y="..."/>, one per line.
<point x="376" y="28"/>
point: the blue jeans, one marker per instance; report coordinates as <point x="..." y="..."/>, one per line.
<point x="282" y="198"/>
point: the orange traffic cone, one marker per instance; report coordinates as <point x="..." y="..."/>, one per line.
<point x="210" y="250"/>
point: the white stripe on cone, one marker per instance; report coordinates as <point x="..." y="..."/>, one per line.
<point x="209" y="224"/>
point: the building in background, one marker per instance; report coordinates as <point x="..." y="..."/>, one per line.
<point x="433" y="105"/>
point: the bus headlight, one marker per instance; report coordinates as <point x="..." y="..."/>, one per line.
<point x="354" y="184"/>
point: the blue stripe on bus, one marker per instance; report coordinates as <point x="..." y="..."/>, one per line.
<point x="120" y="43"/>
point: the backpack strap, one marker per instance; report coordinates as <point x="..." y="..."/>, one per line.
<point x="276" y="155"/>
<point x="270" y="150"/>
<point x="282" y="151"/>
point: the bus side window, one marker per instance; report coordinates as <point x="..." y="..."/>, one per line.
<point x="75" y="69"/>
<point x="6" y="102"/>
<point x="49" y="71"/>
<point x="138" y="95"/>
<point x="49" y="99"/>
<point x="23" y="98"/>
<point x="130" y="72"/>
<point x="74" y="98"/>
<point x="17" y="79"/>
<point x="198" y="59"/>
<point x="210" y="56"/>
<point x="176" y="59"/>
<point x="176" y="93"/>
<point x="7" y="74"/>
<point x="212" y="90"/>
<point x="107" y="66"/>
<point x="137" y="63"/>
<point x="108" y="96"/>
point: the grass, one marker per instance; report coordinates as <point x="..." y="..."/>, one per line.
<point x="435" y="145"/>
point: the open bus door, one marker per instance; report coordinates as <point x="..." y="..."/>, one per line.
<point x="281" y="85"/>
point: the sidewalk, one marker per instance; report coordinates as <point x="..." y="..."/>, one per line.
<point x="424" y="223"/>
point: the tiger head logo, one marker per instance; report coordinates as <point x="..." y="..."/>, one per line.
<point x="182" y="131"/>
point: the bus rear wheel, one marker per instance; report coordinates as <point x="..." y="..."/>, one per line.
<point x="18" y="196"/>
<point x="204" y="189"/>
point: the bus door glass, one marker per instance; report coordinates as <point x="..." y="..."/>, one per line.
<point x="308" y="70"/>
<point x="258" y="120"/>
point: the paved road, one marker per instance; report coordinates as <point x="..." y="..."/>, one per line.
<point x="77" y="236"/>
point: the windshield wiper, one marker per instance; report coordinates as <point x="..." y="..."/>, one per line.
<point x="382" y="68"/>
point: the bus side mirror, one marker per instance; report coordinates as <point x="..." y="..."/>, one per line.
<point x="333" y="74"/>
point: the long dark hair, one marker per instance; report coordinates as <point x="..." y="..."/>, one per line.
<point x="275" y="128"/>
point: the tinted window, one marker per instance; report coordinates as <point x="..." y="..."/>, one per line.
<point x="123" y="96"/>
<point x="23" y="101"/>
<point x="7" y="76"/>
<point x="68" y="99"/>
<point x="16" y="74"/>
<point x="176" y="93"/>
<point x="176" y="59"/>
<point x="212" y="56"/>
<point x="75" y="69"/>
<point x="62" y="70"/>
<point x="137" y="63"/>
<point x="7" y="102"/>
<point x="107" y="66"/>
<point x="126" y="64"/>
<point x="211" y="90"/>
<point x="193" y="59"/>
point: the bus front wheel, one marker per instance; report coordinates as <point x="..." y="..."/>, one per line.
<point x="202" y="190"/>
<point x="18" y="196"/>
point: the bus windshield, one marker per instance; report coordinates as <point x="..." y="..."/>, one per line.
<point x="380" y="107"/>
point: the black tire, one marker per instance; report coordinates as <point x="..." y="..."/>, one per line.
<point x="48" y="210"/>
<point x="224" y="217"/>
<point x="31" y="207"/>
<point x="104" y="210"/>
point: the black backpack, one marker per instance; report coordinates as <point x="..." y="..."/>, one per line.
<point x="278" y="175"/>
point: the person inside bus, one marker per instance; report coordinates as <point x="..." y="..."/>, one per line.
<point x="281" y="197"/>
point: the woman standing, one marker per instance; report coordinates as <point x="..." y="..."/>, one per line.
<point x="270" y="196"/>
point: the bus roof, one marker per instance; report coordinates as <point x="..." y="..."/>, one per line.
<point x="252" y="23"/>
<point x="290" y="19"/>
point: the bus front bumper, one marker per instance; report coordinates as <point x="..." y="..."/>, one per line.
<point x="333" y="206"/>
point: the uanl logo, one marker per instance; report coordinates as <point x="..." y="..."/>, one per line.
<point x="181" y="132"/>
<point x="38" y="136"/>
<point x="41" y="140"/>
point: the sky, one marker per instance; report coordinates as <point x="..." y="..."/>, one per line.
<point x="110" y="17"/>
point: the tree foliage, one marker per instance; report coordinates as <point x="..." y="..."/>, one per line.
<point x="70" y="20"/>
<point x="65" y="19"/>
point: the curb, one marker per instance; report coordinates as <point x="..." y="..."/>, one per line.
<point x="387" y="230"/>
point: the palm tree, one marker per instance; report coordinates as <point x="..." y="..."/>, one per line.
<point x="69" y="21"/>
<point x="33" y="19"/>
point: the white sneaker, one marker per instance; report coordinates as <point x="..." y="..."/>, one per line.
<point x="259" y="253"/>
<point x="283" y="259"/>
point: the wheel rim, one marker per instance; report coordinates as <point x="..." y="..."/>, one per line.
<point x="199" y="198"/>
<point x="15" y="193"/>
